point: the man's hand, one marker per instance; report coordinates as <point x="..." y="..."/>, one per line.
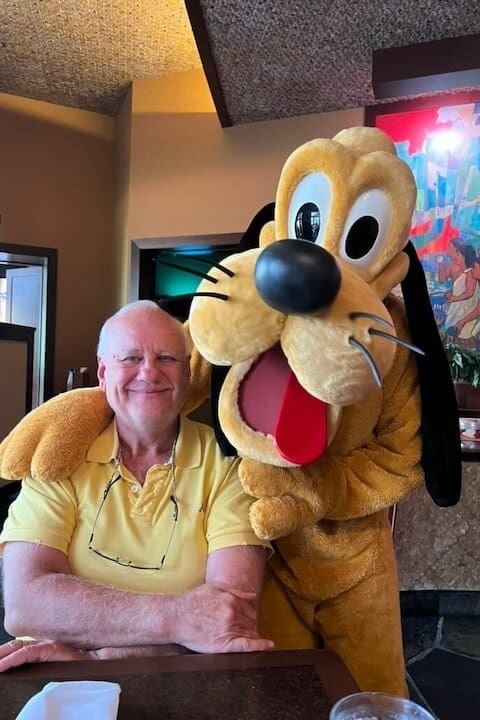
<point x="214" y="618"/>
<point x="18" y="652"/>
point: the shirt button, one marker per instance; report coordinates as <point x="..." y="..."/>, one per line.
<point x="135" y="489"/>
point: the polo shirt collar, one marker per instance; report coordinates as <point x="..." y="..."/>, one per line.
<point x="188" y="451"/>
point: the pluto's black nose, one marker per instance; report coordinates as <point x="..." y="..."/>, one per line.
<point x="297" y="277"/>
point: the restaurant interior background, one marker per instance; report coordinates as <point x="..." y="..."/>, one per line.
<point x="129" y="129"/>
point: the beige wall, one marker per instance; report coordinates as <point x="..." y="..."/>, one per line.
<point x="56" y="191"/>
<point x="190" y="176"/>
<point x="87" y="185"/>
<point x="122" y="194"/>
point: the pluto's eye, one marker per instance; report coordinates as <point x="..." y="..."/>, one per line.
<point x="307" y="222"/>
<point x="310" y="207"/>
<point x="361" y="237"/>
<point x="367" y="228"/>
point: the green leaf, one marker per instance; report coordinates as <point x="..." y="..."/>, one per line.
<point x="464" y="364"/>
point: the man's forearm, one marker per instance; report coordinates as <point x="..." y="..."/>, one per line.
<point x="129" y="651"/>
<point x="70" y="610"/>
<point x="43" y="600"/>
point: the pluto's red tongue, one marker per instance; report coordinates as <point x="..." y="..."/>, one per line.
<point x="272" y="401"/>
<point x="301" y="431"/>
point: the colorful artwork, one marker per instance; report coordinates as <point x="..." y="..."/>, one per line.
<point x="442" y="147"/>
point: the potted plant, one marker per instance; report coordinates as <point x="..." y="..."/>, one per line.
<point x="465" y="369"/>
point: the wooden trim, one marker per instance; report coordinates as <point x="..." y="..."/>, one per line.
<point x="423" y="103"/>
<point x="435" y="66"/>
<point x="50" y="257"/>
<point x="200" y="33"/>
<point x="22" y="334"/>
<point x="144" y="250"/>
<point x="332" y="673"/>
<point x="50" y="324"/>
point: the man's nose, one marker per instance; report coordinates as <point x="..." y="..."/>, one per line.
<point x="149" y="368"/>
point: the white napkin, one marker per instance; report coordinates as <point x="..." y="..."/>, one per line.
<point x="75" y="700"/>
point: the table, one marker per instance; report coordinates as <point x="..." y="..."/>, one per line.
<point x="289" y="685"/>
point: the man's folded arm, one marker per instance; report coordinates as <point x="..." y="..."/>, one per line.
<point x="44" y="600"/>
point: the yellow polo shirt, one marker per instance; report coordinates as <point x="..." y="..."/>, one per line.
<point x="136" y="523"/>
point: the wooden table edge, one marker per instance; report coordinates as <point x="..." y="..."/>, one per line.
<point x="330" y="669"/>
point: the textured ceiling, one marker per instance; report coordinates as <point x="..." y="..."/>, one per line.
<point x="279" y="58"/>
<point x="273" y="58"/>
<point x="84" y="53"/>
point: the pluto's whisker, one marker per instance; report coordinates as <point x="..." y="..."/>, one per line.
<point x="218" y="296"/>
<point x="205" y="261"/>
<point x="371" y="316"/>
<point x="371" y="362"/>
<point x="191" y="271"/>
<point x="397" y="340"/>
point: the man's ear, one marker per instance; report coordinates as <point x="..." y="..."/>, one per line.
<point x="101" y="373"/>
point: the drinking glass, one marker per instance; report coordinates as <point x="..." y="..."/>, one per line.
<point x="377" y="706"/>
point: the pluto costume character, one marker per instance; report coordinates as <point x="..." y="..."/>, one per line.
<point x="319" y="393"/>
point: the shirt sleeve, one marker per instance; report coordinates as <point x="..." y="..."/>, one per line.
<point x="43" y="513"/>
<point x="227" y="521"/>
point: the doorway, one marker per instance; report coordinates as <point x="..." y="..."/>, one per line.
<point x="28" y="282"/>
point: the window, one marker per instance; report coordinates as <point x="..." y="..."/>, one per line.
<point x="3" y="299"/>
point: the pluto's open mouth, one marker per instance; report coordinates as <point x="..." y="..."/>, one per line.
<point x="272" y="401"/>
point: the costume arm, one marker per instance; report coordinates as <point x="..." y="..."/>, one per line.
<point x="52" y="440"/>
<point x="44" y="600"/>
<point x="381" y="474"/>
<point x="340" y="487"/>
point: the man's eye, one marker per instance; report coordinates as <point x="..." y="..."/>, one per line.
<point x="165" y="359"/>
<point x="130" y="360"/>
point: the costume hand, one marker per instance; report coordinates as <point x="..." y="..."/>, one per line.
<point x="276" y="517"/>
<point x="17" y="652"/>
<point x="51" y="441"/>
<point x="217" y="619"/>
<point x="260" y="480"/>
<point x="288" y="498"/>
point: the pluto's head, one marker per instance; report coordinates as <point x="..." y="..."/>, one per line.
<point x="301" y="319"/>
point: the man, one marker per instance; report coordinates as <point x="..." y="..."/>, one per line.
<point x="148" y="543"/>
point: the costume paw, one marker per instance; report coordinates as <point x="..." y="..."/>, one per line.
<point x="52" y="440"/>
<point x="276" y="517"/>
<point x="260" y="480"/>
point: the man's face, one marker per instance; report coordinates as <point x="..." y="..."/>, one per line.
<point x="144" y="370"/>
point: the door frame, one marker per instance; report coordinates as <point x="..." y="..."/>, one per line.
<point x="48" y="259"/>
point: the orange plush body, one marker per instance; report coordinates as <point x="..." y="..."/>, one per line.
<point x="323" y="497"/>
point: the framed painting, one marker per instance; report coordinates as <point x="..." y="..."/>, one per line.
<point x="439" y="138"/>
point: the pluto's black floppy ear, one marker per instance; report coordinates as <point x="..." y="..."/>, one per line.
<point x="251" y="236"/>
<point x="250" y="240"/>
<point x="441" y="453"/>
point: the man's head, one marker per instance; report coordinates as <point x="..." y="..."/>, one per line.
<point x="143" y="364"/>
